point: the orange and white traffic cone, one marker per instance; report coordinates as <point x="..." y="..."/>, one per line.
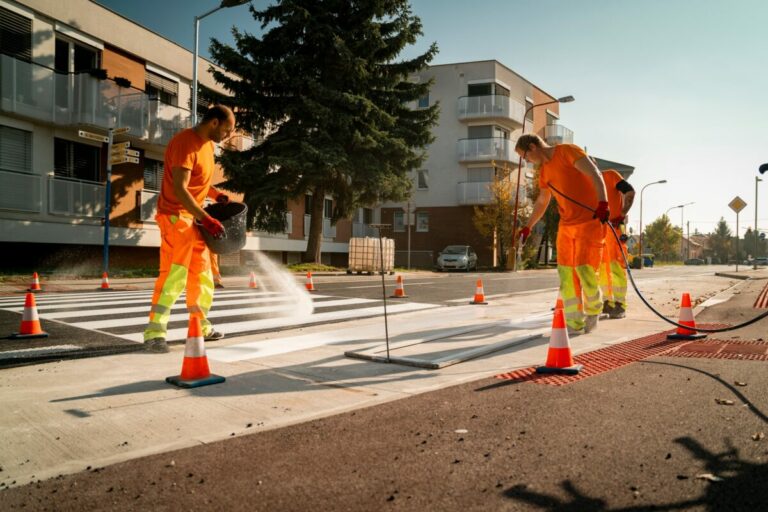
<point x="559" y="357"/>
<point x="30" y="322"/>
<point x="399" y="289"/>
<point x="194" y="369"/>
<point x="252" y="281"/>
<point x="686" y="318"/>
<point x="310" y="285"/>
<point x="35" y="286"/>
<point x="479" y="293"/>
<point x="105" y="283"/>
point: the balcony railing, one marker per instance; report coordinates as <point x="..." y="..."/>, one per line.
<point x="480" y="192"/>
<point x="37" y="92"/>
<point x="329" y="231"/>
<point x="492" y="106"/>
<point x="558" y="134"/>
<point x="483" y="150"/>
<point x="20" y="192"/>
<point x="75" y="198"/>
<point x="361" y="230"/>
<point x="148" y="205"/>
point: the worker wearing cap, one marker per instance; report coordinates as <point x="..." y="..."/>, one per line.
<point x="184" y="259"/>
<point x="613" y="270"/>
<point x="565" y="170"/>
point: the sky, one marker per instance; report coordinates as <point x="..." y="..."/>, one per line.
<point x="675" y="88"/>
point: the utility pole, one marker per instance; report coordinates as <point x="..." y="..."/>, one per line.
<point x="688" y="243"/>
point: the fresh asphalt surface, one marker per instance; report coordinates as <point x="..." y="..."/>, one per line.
<point x="648" y="436"/>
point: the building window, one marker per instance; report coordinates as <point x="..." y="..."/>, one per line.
<point x="422" y="222"/>
<point x="551" y="119"/>
<point x="15" y="150"/>
<point x="398" y="222"/>
<point x="367" y="215"/>
<point x="487" y="89"/>
<point x="72" y="57"/>
<point x="15" y="35"/>
<point x="424" y="101"/>
<point x="480" y="174"/>
<point x="528" y="109"/>
<point x="75" y="160"/>
<point x="328" y="208"/>
<point x="153" y="174"/>
<point x="422" y="179"/>
<point x="160" y="88"/>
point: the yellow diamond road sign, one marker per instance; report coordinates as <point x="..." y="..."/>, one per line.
<point x="737" y="204"/>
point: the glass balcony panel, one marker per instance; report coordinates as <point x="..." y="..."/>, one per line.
<point x="492" y="106"/>
<point x="483" y="150"/>
<point x="75" y="198"/>
<point x="480" y="192"/>
<point x="329" y="231"/>
<point x="20" y="192"/>
<point x="165" y="121"/>
<point x="558" y="134"/>
<point x="148" y="205"/>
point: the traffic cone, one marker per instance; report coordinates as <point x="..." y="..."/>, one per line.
<point x="35" y="286"/>
<point x="479" y="293"/>
<point x="559" y="357"/>
<point x="559" y="303"/>
<point x="399" y="289"/>
<point x="105" y="283"/>
<point x="30" y="323"/>
<point x="686" y="318"/>
<point x="310" y="284"/>
<point x="252" y="281"/>
<point x="194" y="369"/>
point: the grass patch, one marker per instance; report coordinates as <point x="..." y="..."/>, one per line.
<point x="314" y="267"/>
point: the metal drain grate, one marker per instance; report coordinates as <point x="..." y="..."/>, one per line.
<point x="762" y="299"/>
<point x="717" y="349"/>
<point x="606" y="359"/>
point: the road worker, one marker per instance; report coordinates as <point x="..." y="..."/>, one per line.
<point x="184" y="258"/>
<point x="218" y="282"/>
<point x="566" y="173"/>
<point x="613" y="270"/>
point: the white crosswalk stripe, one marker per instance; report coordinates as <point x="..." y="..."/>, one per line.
<point x="235" y="311"/>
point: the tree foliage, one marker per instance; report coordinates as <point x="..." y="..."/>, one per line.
<point x="662" y="239"/>
<point x="494" y="220"/>
<point x="333" y="104"/>
<point x="719" y="241"/>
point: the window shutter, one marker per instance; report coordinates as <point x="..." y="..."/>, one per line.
<point x="15" y="150"/>
<point x="15" y="35"/>
<point x="162" y="83"/>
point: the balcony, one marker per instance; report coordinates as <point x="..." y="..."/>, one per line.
<point x="21" y="192"/>
<point x="485" y="150"/>
<point x="329" y="231"/>
<point x="41" y="94"/>
<point x="480" y="192"/>
<point x="558" y="134"/>
<point x="362" y="230"/>
<point x="493" y="107"/>
<point x="75" y="198"/>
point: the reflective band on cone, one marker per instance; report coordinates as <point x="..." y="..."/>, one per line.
<point x="399" y="289"/>
<point x="194" y="369"/>
<point x="559" y="357"/>
<point x="252" y="281"/>
<point x="686" y="319"/>
<point x="310" y="284"/>
<point x="479" y="293"/>
<point x="35" y="286"/>
<point x="30" y="322"/>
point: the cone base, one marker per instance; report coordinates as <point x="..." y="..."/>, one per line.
<point x="105" y="289"/>
<point x="568" y="370"/>
<point x="195" y="383"/>
<point x="676" y="336"/>
<point x="398" y="296"/>
<point x="18" y="336"/>
<point x="476" y="302"/>
<point x="36" y="290"/>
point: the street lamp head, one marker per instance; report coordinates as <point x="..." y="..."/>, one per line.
<point x="661" y="181"/>
<point x="763" y="168"/>
<point x="233" y="3"/>
<point x="568" y="99"/>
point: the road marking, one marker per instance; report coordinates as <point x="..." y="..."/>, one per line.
<point x="12" y="354"/>
<point x="410" y="283"/>
<point x="512" y="294"/>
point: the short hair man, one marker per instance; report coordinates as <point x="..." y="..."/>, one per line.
<point x="566" y="172"/>
<point x="184" y="257"/>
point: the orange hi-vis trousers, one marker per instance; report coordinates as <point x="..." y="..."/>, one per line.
<point x="184" y="263"/>
<point x="613" y="271"/>
<point x="579" y="253"/>
<point x="215" y="267"/>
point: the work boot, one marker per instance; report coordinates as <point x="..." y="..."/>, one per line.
<point x="156" y="346"/>
<point x="607" y="308"/>
<point x="218" y="285"/>
<point x="214" y="335"/>
<point x="591" y="323"/>
<point x="617" y="312"/>
<point x="574" y="332"/>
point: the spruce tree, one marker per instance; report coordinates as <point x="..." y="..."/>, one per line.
<point x="333" y="105"/>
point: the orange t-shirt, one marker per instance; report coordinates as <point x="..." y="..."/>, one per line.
<point x="566" y="178"/>
<point x="611" y="179"/>
<point x="187" y="150"/>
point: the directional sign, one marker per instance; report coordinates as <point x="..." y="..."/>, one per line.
<point x="119" y="147"/>
<point x="122" y="159"/>
<point x="132" y="152"/>
<point x="737" y="204"/>
<point x="92" y="136"/>
<point x="118" y="131"/>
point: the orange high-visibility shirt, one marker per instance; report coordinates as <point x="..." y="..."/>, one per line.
<point x="611" y="179"/>
<point x="186" y="149"/>
<point x="566" y="178"/>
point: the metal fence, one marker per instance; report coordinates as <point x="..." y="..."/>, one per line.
<point x="75" y="198"/>
<point x="20" y="192"/>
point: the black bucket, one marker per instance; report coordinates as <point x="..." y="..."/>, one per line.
<point x="233" y="217"/>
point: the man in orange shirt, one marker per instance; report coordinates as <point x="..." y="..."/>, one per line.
<point x="184" y="259"/>
<point x="565" y="170"/>
<point x="613" y="270"/>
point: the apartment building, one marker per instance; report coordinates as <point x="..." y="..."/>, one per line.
<point x="483" y="109"/>
<point x="74" y="65"/>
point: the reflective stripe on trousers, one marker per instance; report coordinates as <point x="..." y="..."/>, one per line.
<point x="613" y="273"/>
<point x="184" y="263"/>
<point x="579" y="251"/>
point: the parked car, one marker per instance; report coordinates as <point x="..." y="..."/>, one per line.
<point x="461" y="257"/>
<point x="647" y="261"/>
<point x="761" y="261"/>
<point x="694" y="261"/>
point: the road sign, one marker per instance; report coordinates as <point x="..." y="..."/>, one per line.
<point x="118" y="131"/>
<point x="92" y="136"/>
<point x="132" y="152"/>
<point x="123" y="159"/>
<point x="119" y="147"/>
<point x="737" y="204"/>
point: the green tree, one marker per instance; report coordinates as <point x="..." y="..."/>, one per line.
<point x="748" y="245"/>
<point x="326" y="90"/>
<point x="662" y="239"/>
<point x="494" y="220"/>
<point x="720" y="241"/>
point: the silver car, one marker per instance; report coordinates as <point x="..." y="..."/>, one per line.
<point x="460" y="257"/>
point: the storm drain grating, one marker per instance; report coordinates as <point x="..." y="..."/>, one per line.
<point x="606" y="359"/>
<point x="762" y="299"/>
<point x="718" y="349"/>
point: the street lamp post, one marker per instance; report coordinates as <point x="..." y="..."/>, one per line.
<point x="564" y="99"/>
<point x="763" y="168"/>
<point x="224" y="4"/>
<point x="640" y="236"/>
<point x="682" y="224"/>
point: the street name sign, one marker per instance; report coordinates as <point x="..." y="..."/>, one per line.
<point x="92" y="136"/>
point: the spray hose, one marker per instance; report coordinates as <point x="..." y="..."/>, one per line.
<point x="639" y="294"/>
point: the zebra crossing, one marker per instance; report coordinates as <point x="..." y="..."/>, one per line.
<point x="234" y="312"/>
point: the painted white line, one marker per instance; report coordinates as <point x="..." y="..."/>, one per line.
<point x="11" y="354"/>
<point x="511" y="294"/>
<point x="115" y="296"/>
<point x="271" y="323"/>
<point x="389" y="284"/>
